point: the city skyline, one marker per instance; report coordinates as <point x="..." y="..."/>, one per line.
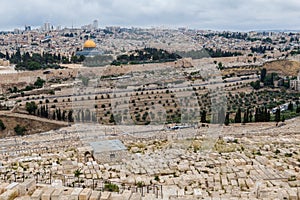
<point x="233" y="15"/>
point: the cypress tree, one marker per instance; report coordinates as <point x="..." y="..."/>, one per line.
<point x="268" y="115"/>
<point x="53" y="115"/>
<point x="291" y="107"/>
<point x="2" y="126"/>
<point x="46" y="111"/>
<point x="64" y="115"/>
<point x="256" y="116"/>
<point x="226" y="122"/>
<point x="87" y="115"/>
<point x="238" y="116"/>
<point x="250" y="116"/>
<point x="82" y="115"/>
<point x="203" y="116"/>
<point x="263" y="74"/>
<point x="221" y="116"/>
<point x="246" y="118"/>
<point x="277" y="115"/>
<point x="70" y="116"/>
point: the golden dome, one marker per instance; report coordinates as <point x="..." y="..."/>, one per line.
<point x="89" y="44"/>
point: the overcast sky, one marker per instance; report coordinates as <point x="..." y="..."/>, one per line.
<point x="199" y="14"/>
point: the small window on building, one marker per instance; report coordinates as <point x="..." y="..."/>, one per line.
<point x="112" y="156"/>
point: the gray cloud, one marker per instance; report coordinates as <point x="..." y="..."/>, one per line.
<point x="213" y="14"/>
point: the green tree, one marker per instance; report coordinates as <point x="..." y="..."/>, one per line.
<point x="31" y="107"/>
<point x="20" y="130"/>
<point x="74" y="59"/>
<point x="255" y="85"/>
<point x="112" y="119"/>
<point x="39" y="83"/>
<point x="85" y="80"/>
<point x="220" y="66"/>
<point x="77" y="174"/>
<point x="111" y="187"/>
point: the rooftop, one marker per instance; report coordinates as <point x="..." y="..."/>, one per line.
<point x="107" y="145"/>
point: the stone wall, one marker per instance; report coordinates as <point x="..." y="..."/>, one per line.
<point x="110" y="157"/>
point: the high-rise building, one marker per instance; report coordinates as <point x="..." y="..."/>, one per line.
<point x="27" y="28"/>
<point x="17" y="31"/>
<point x="47" y="26"/>
<point x="95" y="24"/>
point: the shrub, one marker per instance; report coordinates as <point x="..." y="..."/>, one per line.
<point x="111" y="187"/>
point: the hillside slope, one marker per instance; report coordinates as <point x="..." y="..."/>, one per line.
<point x="31" y="123"/>
<point x="283" y="67"/>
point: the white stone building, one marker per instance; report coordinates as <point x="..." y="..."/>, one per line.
<point x="108" y="151"/>
<point x="295" y="84"/>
